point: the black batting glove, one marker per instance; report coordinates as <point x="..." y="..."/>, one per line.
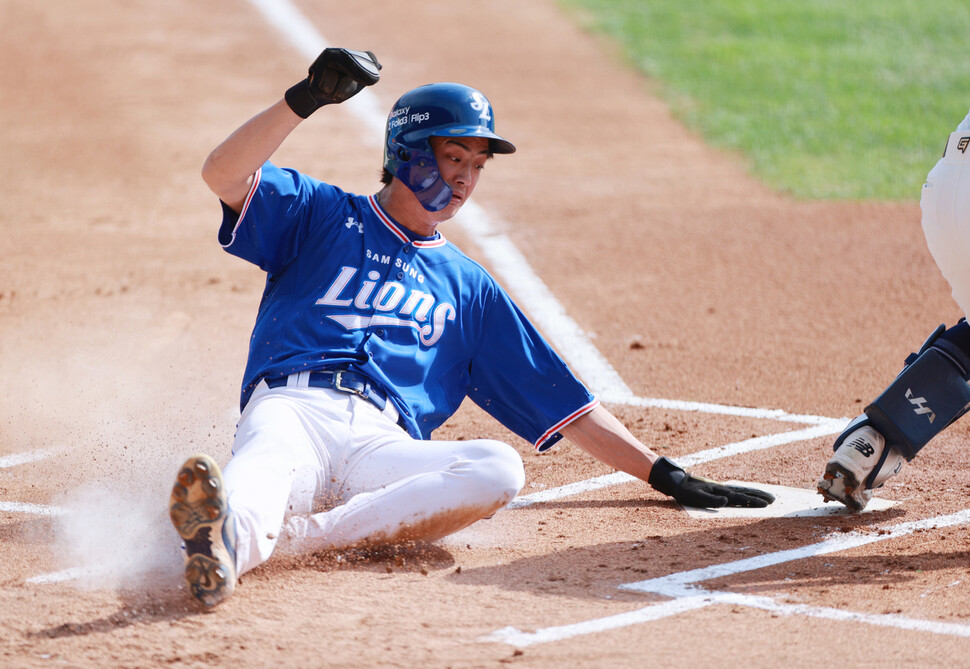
<point x="335" y="76"/>
<point x="689" y="490"/>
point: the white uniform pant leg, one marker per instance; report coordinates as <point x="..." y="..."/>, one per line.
<point x="275" y="470"/>
<point x="945" y="203"/>
<point x="400" y="489"/>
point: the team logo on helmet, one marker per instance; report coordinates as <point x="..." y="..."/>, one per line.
<point x="480" y="104"/>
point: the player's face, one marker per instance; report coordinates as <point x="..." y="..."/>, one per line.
<point x="460" y="161"/>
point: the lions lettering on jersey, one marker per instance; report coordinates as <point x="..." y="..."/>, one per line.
<point x="415" y="308"/>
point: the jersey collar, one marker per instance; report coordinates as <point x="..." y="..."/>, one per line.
<point x="402" y="233"/>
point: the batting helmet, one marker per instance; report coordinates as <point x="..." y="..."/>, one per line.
<point x="435" y="110"/>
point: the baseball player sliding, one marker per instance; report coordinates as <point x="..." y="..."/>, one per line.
<point x="371" y="331"/>
<point x="932" y="390"/>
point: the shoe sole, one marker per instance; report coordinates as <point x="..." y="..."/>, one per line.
<point x="200" y="513"/>
<point x="828" y="488"/>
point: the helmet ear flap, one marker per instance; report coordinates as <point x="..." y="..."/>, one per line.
<point x="418" y="170"/>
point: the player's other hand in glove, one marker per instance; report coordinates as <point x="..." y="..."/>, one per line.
<point x="690" y="490"/>
<point x="862" y="461"/>
<point x="335" y="76"/>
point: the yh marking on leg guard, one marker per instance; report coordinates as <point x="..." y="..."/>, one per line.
<point x="930" y="393"/>
<point x="920" y="403"/>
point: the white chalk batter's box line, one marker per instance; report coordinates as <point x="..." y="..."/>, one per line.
<point x="15" y="459"/>
<point x="686" y="596"/>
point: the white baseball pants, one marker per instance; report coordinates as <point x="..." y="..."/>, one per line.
<point x="316" y="469"/>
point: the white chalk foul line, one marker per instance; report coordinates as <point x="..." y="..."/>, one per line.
<point x="681" y="588"/>
<point x="722" y="409"/>
<point x="36" y="509"/>
<point x="514" y="637"/>
<point x="27" y="457"/>
<point x="519" y="639"/>
<point x="24" y="458"/>
<point x="761" y="443"/>
<point x="878" y="619"/>
<point x="532" y="294"/>
<point x="58" y="576"/>
<point x="292" y="24"/>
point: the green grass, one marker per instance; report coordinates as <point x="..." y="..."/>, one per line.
<point x="827" y="99"/>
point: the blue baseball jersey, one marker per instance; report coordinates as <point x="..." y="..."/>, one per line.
<point x="348" y="286"/>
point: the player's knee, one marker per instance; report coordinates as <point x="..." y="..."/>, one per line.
<point x="500" y="464"/>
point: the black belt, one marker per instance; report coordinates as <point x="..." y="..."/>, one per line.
<point x="345" y="381"/>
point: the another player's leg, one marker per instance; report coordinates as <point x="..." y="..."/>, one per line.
<point x="200" y="512"/>
<point x="930" y="393"/>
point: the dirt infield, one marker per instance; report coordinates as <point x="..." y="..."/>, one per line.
<point x="124" y="329"/>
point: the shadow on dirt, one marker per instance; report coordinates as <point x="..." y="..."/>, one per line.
<point x="137" y="609"/>
<point x="596" y="571"/>
<point x="33" y="531"/>
<point x="162" y="602"/>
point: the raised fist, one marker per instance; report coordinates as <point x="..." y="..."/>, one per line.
<point x="336" y="75"/>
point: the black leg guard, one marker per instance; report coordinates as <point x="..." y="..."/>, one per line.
<point x="930" y="393"/>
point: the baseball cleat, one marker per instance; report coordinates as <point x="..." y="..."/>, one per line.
<point x="199" y="510"/>
<point x="862" y="462"/>
<point x="839" y="484"/>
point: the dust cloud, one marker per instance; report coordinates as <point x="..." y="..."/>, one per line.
<point x="113" y="469"/>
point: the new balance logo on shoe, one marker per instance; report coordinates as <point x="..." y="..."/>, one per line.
<point x="921" y="406"/>
<point x="864" y="447"/>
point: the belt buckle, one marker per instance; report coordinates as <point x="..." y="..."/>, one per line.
<point x="338" y="385"/>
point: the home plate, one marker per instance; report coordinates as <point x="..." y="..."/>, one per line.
<point x="788" y="502"/>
